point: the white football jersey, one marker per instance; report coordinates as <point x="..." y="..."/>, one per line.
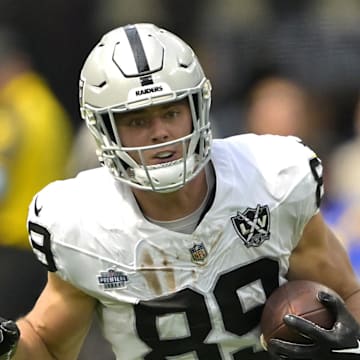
<point x="169" y="295"/>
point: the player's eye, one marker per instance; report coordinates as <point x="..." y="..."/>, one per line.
<point x="133" y="122"/>
<point x="172" y="113"/>
<point x="137" y="122"/>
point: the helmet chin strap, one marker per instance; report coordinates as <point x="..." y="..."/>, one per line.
<point x="165" y="174"/>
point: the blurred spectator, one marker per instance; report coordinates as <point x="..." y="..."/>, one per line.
<point x="276" y="104"/>
<point x="345" y="163"/>
<point x="35" y="136"/>
<point x="279" y="104"/>
<point x="342" y="208"/>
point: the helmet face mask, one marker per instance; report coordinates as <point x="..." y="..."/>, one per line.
<point x="134" y="67"/>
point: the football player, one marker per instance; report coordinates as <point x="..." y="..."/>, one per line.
<point x="177" y="241"/>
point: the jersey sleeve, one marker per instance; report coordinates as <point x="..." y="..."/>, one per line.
<point x="307" y="192"/>
<point x="281" y="167"/>
<point x="49" y="223"/>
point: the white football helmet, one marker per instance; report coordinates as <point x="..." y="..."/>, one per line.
<point x="133" y="67"/>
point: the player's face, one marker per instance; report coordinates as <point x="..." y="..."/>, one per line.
<point x="155" y="125"/>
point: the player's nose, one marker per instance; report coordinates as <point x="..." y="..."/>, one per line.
<point x="159" y="129"/>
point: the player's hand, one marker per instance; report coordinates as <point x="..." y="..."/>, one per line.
<point x="9" y="336"/>
<point x="342" y="342"/>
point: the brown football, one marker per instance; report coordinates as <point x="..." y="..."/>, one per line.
<point x="298" y="297"/>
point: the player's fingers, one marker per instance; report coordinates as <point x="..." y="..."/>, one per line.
<point x="334" y="303"/>
<point x="305" y="327"/>
<point x="288" y="350"/>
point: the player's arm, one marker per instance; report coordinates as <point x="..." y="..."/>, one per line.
<point x="321" y="257"/>
<point x="57" y="325"/>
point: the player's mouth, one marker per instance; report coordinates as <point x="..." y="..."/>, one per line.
<point x="164" y="156"/>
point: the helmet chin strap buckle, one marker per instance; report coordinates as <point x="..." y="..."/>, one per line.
<point x="166" y="177"/>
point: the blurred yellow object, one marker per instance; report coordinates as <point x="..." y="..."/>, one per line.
<point x="35" y="138"/>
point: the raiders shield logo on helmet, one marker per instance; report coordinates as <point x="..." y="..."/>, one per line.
<point x="253" y="225"/>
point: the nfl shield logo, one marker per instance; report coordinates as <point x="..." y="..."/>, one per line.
<point x="198" y="253"/>
<point x="253" y="225"/>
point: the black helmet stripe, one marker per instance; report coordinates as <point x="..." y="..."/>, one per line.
<point x="139" y="52"/>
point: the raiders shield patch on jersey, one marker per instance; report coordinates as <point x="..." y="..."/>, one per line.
<point x="253" y="225"/>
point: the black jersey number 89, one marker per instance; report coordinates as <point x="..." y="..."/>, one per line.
<point x="193" y="305"/>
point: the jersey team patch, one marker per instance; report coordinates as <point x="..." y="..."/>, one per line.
<point x="253" y="225"/>
<point x="112" y="279"/>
